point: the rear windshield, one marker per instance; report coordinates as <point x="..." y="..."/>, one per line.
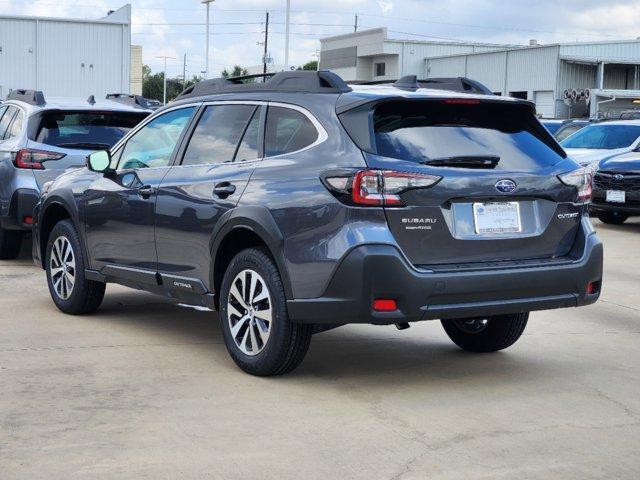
<point x="422" y="132"/>
<point x="85" y="130"/>
<point x="603" y="136"/>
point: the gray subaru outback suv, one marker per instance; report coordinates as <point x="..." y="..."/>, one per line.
<point x="303" y="203"/>
<point x="41" y="138"/>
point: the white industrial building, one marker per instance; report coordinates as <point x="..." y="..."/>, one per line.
<point x="564" y="80"/>
<point x="66" y="57"/>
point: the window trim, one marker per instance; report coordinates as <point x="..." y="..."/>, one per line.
<point x="322" y="133"/>
<point x="384" y="69"/>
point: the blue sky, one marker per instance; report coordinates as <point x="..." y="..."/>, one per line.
<point x="176" y="27"/>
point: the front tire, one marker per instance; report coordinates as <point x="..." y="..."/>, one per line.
<point x="613" y="218"/>
<point x="486" y="334"/>
<point x="65" y="264"/>
<point x="10" y="243"/>
<point x="258" y="333"/>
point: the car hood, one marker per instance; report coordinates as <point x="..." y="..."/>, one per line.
<point x="629" y="162"/>
<point x="592" y="156"/>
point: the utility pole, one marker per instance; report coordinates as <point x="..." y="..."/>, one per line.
<point x="206" y="68"/>
<point x="355" y="24"/>
<point x="164" y="78"/>
<point x="184" y="72"/>
<point x="266" y="43"/>
<point x="286" y="38"/>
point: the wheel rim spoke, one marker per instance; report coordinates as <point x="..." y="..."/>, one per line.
<point x="62" y="268"/>
<point x="249" y="312"/>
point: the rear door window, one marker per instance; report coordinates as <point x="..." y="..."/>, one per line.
<point x="218" y="133"/>
<point x="287" y="131"/>
<point x="85" y="130"/>
<point x="5" y="120"/>
<point x="16" y="126"/>
<point x="424" y="132"/>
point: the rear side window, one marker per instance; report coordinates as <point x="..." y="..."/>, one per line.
<point x="287" y="131"/>
<point x="218" y="133"/>
<point x="423" y="132"/>
<point x="16" y="127"/>
<point x="6" y="116"/>
<point x="85" y="130"/>
<point x="604" y="136"/>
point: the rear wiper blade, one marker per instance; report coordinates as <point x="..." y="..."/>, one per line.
<point x="100" y="146"/>
<point x="465" y="161"/>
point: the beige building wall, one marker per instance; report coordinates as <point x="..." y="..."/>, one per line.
<point x="136" y="70"/>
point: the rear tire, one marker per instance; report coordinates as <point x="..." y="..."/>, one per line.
<point x="486" y="334"/>
<point x="65" y="264"/>
<point x="258" y="333"/>
<point x="10" y="244"/>
<point x="613" y="218"/>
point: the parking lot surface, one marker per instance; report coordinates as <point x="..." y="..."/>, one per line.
<point x="145" y="389"/>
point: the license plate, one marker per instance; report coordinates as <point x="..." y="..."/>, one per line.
<point x="616" y="196"/>
<point x="497" y="217"/>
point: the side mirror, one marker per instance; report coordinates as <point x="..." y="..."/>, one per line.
<point x="99" y="161"/>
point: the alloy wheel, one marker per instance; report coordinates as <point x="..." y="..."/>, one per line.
<point x="249" y="312"/>
<point x="62" y="268"/>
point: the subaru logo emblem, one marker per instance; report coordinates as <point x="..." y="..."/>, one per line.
<point x="506" y="186"/>
<point x="618" y="177"/>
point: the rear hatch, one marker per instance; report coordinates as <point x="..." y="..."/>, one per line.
<point x="61" y="139"/>
<point x="499" y="197"/>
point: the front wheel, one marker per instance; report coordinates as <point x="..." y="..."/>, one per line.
<point x="486" y="334"/>
<point x="65" y="263"/>
<point x="613" y="218"/>
<point x="258" y="333"/>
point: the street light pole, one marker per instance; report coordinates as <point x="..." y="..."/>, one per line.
<point x="164" y="78"/>
<point x="206" y="75"/>
<point x="286" y="38"/>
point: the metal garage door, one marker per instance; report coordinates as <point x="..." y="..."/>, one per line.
<point x="545" y="103"/>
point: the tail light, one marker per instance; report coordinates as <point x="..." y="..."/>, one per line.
<point x="33" y="159"/>
<point x="582" y="179"/>
<point x="376" y="187"/>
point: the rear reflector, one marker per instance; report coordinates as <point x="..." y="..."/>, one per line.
<point x="384" y="305"/>
<point x="593" y="287"/>
<point x="27" y="220"/>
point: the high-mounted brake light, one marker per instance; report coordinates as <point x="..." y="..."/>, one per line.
<point x="582" y="179"/>
<point x="383" y="187"/>
<point x="461" y="101"/>
<point x="33" y="159"/>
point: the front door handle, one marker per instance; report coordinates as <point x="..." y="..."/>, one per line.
<point x="224" y="189"/>
<point x="146" y="191"/>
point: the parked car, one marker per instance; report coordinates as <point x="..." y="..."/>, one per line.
<point x="300" y="204"/>
<point x="553" y="124"/>
<point x="616" y="191"/>
<point x="40" y="139"/>
<point x="569" y="128"/>
<point x="599" y="141"/>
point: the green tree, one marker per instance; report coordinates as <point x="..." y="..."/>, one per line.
<point x="311" y="65"/>
<point x="237" y="71"/>
<point x="152" y="84"/>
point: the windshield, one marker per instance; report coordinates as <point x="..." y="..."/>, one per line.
<point x="506" y="136"/>
<point x="86" y="130"/>
<point x="569" y="130"/>
<point x="603" y="136"/>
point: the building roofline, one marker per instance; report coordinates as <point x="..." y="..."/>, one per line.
<point x="104" y="20"/>
<point x="361" y="33"/>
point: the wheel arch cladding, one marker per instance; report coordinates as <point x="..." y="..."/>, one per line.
<point x="242" y="228"/>
<point x="54" y="212"/>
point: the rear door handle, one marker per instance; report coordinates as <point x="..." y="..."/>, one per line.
<point x="146" y="191"/>
<point x="224" y="189"/>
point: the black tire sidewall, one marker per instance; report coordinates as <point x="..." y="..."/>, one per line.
<point x="501" y="332"/>
<point x="275" y="351"/>
<point x="76" y="300"/>
<point x="613" y="218"/>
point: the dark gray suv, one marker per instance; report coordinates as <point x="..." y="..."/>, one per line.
<point x="302" y="203"/>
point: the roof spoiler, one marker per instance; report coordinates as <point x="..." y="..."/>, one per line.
<point x="32" y="97"/>
<point x="127" y="99"/>
<point x="322" y="81"/>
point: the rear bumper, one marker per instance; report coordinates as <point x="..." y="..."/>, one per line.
<point x="22" y="204"/>
<point x="380" y="271"/>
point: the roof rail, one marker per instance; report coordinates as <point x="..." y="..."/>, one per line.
<point x="456" y="84"/>
<point x="127" y="99"/>
<point x="32" y="97"/>
<point x="322" y="81"/>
